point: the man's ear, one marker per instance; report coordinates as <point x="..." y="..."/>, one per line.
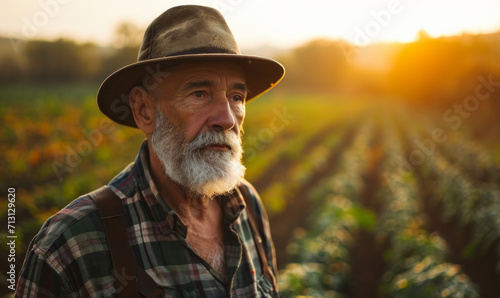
<point x="142" y="105"/>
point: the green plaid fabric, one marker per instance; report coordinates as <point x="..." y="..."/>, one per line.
<point x="69" y="257"/>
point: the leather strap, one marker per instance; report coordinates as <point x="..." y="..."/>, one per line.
<point x="258" y="230"/>
<point x="131" y="280"/>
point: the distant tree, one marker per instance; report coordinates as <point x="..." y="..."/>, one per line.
<point x="127" y="35"/>
<point x="423" y="35"/>
<point x="11" y="69"/>
<point x="62" y="60"/>
<point x="89" y="53"/>
<point x="318" y="65"/>
<point x="116" y="60"/>
<point x="127" y="39"/>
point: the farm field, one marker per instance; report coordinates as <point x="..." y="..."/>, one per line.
<point x="366" y="198"/>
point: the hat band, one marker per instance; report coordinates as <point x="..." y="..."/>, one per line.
<point x="204" y="50"/>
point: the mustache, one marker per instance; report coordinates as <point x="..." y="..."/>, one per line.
<point x="213" y="137"/>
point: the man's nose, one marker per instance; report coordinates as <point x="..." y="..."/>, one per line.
<point x="222" y="116"/>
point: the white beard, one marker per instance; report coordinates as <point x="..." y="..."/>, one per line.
<point x="201" y="171"/>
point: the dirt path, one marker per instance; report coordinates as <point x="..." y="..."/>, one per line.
<point x="367" y="264"/>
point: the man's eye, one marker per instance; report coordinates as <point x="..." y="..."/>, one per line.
<point x="238" y="98"/>
<point x="199" y="94"/>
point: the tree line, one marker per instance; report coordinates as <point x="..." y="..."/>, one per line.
<point x="429" y="72"/>
<point x="64" y="60"/>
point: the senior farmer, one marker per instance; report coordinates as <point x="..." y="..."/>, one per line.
<point x="180" y="221"/>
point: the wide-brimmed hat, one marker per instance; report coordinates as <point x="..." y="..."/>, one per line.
<point x="181" y="34"/>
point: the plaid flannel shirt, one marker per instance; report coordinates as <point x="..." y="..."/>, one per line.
<point x="69" y="257"/>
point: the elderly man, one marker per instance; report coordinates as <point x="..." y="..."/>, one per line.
<point x="189" y="224"/>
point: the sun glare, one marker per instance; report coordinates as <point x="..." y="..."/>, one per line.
<point x="364" y="22"/>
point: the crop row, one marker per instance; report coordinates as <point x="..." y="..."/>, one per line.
<point x="474" y="203"/>
<point x="464" y="177"/>
<point x="417" y="265"/>
<point x="321" y="264"/>
<point x="416" y="259"/>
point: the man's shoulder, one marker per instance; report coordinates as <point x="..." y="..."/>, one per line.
<point x="251" y="193"/>
<point x="250" y="188"/>
<point x="78" y="217"/>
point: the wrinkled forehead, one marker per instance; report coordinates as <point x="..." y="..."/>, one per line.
<point x="178" y="75"/>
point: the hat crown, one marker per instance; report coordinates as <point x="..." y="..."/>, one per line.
<point x="188" y="29"/>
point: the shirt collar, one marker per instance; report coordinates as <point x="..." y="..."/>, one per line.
<point x="232" y="205"/>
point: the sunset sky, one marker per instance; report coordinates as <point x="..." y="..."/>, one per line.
<point x="279" y="23"/>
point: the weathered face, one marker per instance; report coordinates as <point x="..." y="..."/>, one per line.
<point x="204" y="97"/>
<point x="199" y="110"/>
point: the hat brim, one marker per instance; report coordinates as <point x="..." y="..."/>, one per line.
<point x="262" y="74"/>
